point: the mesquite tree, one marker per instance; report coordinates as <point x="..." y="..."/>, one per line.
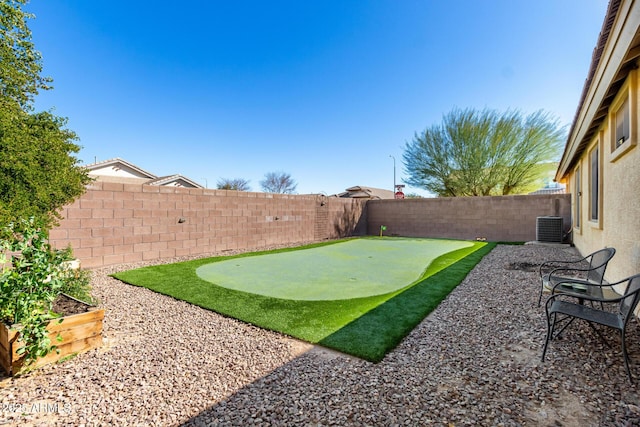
<point x="481" y="153"/>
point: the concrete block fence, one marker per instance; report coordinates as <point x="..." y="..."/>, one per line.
<point x="500" y="218"/>
<point x="115" y="223"/>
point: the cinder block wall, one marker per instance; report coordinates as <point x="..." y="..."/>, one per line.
<point x="115" y="223"/>
<point x="504" y="218"/>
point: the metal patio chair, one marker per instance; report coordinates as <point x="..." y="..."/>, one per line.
<point x="557" y="304"/>
<point x="576" y="275"/>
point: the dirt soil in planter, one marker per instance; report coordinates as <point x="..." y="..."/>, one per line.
<point x="67" y="306"/>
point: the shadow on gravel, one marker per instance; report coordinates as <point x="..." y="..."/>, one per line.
<point x="497" y="380"/>
<point x="400" y="315"/>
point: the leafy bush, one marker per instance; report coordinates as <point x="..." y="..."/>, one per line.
<point x="77" y="283"/>
<point x="32" y="276"/>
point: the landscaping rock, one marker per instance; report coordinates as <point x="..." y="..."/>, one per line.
<point x="474" y="361"/>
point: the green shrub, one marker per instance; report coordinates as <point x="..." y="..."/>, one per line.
<point x="77" y="283"/>
<point x="32" y="277"/>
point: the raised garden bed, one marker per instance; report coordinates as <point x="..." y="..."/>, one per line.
<point x="80" y="330"/>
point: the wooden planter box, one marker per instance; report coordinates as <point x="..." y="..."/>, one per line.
<point x="79" y="333"/>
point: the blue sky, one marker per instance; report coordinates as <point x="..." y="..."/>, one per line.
<point x="324" y="90"/>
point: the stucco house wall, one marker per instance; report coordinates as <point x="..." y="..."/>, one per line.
<point x="120" y="171"/>
<point x="618" y="223"/>
<point x="611" y="183"/>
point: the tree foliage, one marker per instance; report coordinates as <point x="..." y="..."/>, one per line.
<point x="278" y="182"/>
<point x="237" y="184"/>
<point x="21" y="63"/>
<point x="481" y="153"/>
<point x="38" y="172"/>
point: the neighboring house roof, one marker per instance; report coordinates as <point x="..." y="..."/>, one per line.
<point x="614" y="56"/>
<point x="119" y="170"/>
<point x="361" y="192"/>
<point x="175" y="181"/>
<point x="557" y="190"/>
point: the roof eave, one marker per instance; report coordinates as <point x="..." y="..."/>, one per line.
<point x="97" y="165"/>
<point x="608" y="68"/>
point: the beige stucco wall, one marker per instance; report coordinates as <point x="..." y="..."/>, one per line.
<point x="619" y="219"/>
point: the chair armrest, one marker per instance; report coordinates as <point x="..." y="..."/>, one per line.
<point x="562" y="262"/>
<point x="554" y="265"/>
<point x="584" y="297"/>
<point x="570" y="280"/>
<point x="558" y="272"/>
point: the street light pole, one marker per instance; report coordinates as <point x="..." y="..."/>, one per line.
<point x="394" y="174"/>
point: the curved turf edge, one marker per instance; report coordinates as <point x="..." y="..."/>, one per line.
<point x="373" y="335"/>
<point x="362" y="327"/>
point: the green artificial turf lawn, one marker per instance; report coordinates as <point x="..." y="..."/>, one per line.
<point x="366" y="326"/>
<point x="353" y="269"/>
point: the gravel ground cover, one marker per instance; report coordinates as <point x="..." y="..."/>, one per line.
<point x="474" y="361"/>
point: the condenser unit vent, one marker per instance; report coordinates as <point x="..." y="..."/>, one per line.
<point x="549" y="229"/>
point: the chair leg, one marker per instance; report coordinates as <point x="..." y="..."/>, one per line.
<point x="604" y="340"/>
<point x="550" y="326"/>
<point x="541" y="291"/>
<point x="626" y="356"/>
<point x="569" y="321"/>
<point x="540" y="296"/>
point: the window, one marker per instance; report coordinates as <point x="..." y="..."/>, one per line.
<point x="622" y="124"/>
<point x="577" y="199"/>
<point x="594" y="183"/>
<point x="622" y="119"/>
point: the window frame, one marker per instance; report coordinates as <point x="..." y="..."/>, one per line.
<point x="622" y="113"/>
<point x="595" y="182"/>
<point x="626" y="97"/>
<point x="577" y="198"/>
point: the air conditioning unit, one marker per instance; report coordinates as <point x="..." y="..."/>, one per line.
<point x="549" y="229"/>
